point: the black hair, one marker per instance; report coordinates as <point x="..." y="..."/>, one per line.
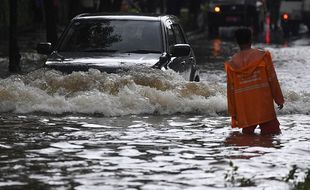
<point x="243" y="35"/>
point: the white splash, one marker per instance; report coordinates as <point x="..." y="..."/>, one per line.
<point x="141" y="91"/>
<point x="293" y="69"/>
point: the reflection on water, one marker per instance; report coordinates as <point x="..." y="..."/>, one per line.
<point x="216" y="47"/>
<point x="146" y="152"/>
<point x="267" y="30"/>
<point x="236" y="138"/>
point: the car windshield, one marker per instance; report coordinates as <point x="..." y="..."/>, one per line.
<point x="113" y="36"/>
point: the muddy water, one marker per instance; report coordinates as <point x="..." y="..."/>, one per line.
<point x="149" y="129"/>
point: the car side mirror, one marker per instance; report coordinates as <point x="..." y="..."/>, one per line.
<point x="44" y="48"/>
<point x="180" y="50"/>
<point x="163" y="61"/>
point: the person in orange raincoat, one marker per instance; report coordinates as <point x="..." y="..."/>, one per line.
<point x="252" y="87"/>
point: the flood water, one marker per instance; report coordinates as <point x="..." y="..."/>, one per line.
<point x="150" y="130"/>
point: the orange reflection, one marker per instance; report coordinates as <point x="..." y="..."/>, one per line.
<point x="216" y="47"/>
<point x="267" y="36"/>
<point x="285" y="44"/>
<point x="236" y="138"/>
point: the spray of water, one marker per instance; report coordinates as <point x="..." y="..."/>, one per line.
<point x="145" y="90"/>
<point x="139" y="91"/>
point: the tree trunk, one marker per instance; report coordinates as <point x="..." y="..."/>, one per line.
<point x="14" y="56"/>
<point x="50" y="16"/>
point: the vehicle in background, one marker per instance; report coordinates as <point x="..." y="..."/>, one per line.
<point x="236" y="13"/>
<point x="114" y="43"/>
<point x="291" y="16"/>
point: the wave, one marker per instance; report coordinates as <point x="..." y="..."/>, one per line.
<point x="140" y="91"/>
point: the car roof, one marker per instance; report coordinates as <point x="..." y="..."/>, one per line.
<point x="125" y="16"/>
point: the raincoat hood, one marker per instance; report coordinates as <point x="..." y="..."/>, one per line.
<point x="246" y="61"/>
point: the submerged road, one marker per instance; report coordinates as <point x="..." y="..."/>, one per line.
<point x="151" y="130"/>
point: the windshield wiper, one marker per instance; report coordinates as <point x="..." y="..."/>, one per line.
<point x="99" y="50"/>
<point x="143" y="51"/>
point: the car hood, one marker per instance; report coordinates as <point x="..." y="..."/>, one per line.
<point x="101" y="61"/>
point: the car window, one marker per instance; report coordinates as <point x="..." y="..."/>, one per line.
<point x="171" y="37"/>
<point x="113" y="36"/>
<point x="175" y="35"/>
<point x="178" y="34"/>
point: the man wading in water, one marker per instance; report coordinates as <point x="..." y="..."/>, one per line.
<point x="252" y="86"/>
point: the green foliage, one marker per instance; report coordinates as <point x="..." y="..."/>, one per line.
<point x="4" y="13"/>
<point x="184" y="19"/>
<point x="4" y="19"/>
<point x="235" y="179"/>
<point x="291" y="174"/>
<point x="305" y="185"/>
<point x="24" y="19"/>
<point x="25" y="13"/>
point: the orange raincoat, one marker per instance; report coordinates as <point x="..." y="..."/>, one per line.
<point x="252" y="86"/>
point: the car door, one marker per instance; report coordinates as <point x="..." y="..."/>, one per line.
<point x="184" y="64"/>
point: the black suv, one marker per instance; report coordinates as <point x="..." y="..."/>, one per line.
<point x="236" y="13"/>
<point x="114" y="43"/>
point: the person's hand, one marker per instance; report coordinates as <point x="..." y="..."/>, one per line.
<point x="280" y="106"/>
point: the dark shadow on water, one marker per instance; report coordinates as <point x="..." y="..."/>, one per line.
<point x="238" y="139"/>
